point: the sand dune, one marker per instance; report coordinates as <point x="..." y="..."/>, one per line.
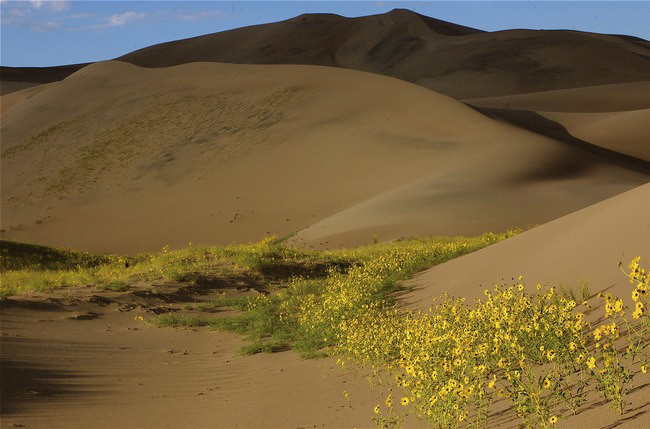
<point x="14" y="79"/>
<point x="627" y="132"/>
<point x="9" y="101"/>
<point x="216" y="153"/>
<point x="611" y="117"/>
<point x="582" y="99"/>
<point x="583" y="246"/>
<point x="449" y="58"/>
<point x="515" y="69"/>
<point x="444" y="57"/>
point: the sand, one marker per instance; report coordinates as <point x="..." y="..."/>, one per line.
<point x="584" y="246"/>
<point x="9" y="101"/>
<point x="79" y="359"/>
<point x="580" y="99"/>
<point x="8" y="87"/>
<point x="115" y="163"/>
<point x="445" y="57"/>
<point x="14" y="79"/>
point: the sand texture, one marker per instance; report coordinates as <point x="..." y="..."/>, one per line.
<point x="115" y="169"/>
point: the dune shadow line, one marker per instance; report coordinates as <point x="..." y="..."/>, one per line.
<point x="537" y="123"/>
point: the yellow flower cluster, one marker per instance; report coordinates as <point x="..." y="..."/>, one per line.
<point x="453" y="359"/>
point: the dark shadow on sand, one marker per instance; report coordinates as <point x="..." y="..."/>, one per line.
<point x="29" y="374"/>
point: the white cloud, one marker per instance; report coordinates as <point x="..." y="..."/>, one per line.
<point x="16" y="12"/>
<point x="124" y="18"/>
<point x="116" y="20"/>
<point x="52" y="5"/>
<point x="206" y="14"/>
<point x="12" y="20"/>
<point x="79" y="16"/>
<point x="27" y="12"/>
<point x="44" y="26"/>
<point x="23" y="14"/>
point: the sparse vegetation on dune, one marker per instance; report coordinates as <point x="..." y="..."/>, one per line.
<point x="21" y="256"/>
<point x="304" y="316"/>
<point x="28" y="268"/>
<point x="539" y="349"/>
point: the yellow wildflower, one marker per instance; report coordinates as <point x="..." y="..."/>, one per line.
<point x="591" y="362"/>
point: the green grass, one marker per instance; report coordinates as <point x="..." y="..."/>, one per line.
<point x="29" y="268"/>
<point x="288" y="319"/>
<point x="237" y="302"/>
<point x="22" y="256"/>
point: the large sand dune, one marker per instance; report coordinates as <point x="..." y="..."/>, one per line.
<point x="449" y="58"/>
<point x="514" y="70"/>
<point x="444" y="57"/>
<point x="129" y="159"/>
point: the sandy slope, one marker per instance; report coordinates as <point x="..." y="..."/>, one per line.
<point x="448" y="58"/>
<point x="9" y="101"/>
<point x="583" y="246"/>
<point x="8" y="87"/>
<point x="612" y="117"/>
<point x="581" y="99"/>
<point x="130" y="159"/>
<point x="627" y="132"/>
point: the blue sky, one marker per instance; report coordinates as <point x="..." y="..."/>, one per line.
<point x="42" y="33"/>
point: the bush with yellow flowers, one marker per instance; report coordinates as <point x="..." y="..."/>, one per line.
<point x="534" y="349"/>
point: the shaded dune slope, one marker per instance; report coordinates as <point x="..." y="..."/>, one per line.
<point x="129" y="159"/>
<point x="582" y="99"/>
<point x="626" y="132"/>
<point x="447" y="58"/>
<point x="16" y="78"/>
<point x="612" y="118"/>
<point x="452" y="59"/>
